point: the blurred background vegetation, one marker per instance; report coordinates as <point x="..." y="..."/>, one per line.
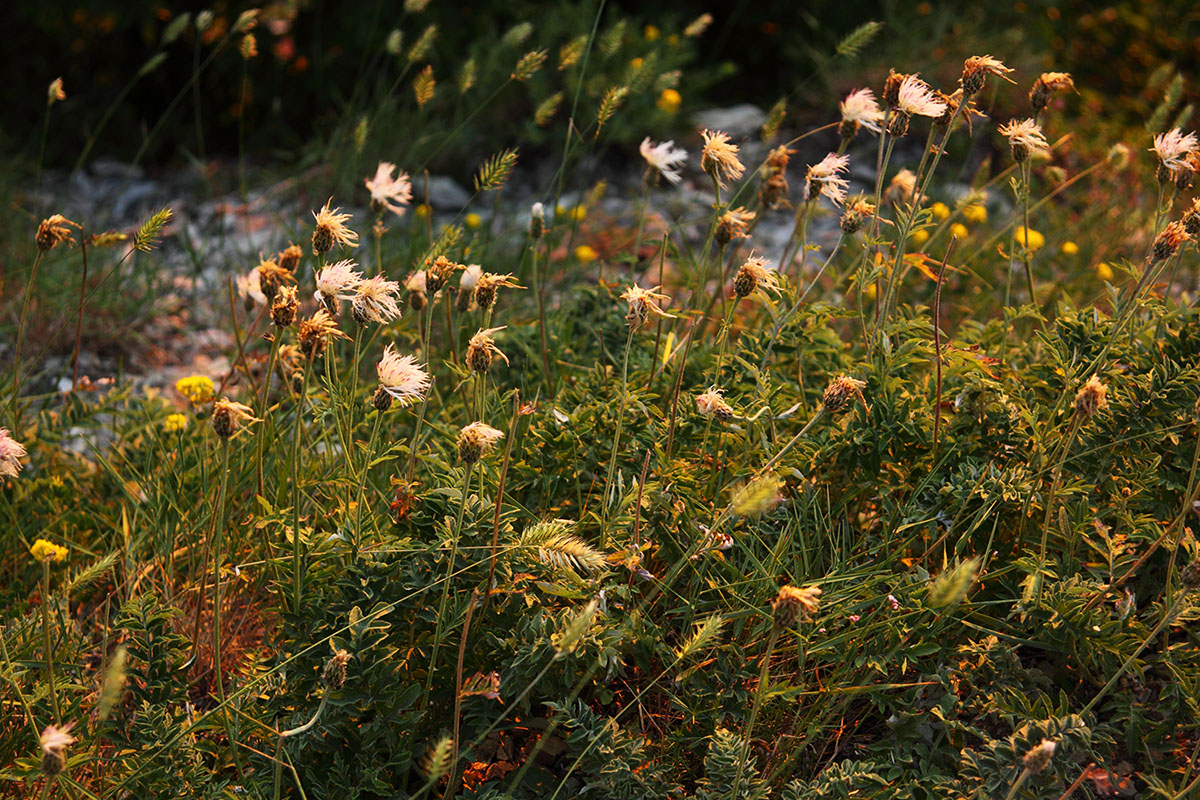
<point x="145" y="83"/>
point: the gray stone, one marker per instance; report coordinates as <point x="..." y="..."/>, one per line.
<point x="738" y="121"/>
<point x="444" y="193"/>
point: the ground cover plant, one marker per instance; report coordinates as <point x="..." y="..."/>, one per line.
<point x="852" y="459"/>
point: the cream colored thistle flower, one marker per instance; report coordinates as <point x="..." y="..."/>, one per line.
<point x="1025" y="138"/>
<point x="1174" y="147"/>
<point x="331" y="229"/>
<point x="476" y="439"/>
<point x="337" y="281"/>
<point x="249" y="287"/>
<point x="376" y="299"/>
<point x="388" y="193"/>
<point x="54" y="741"/>
<point x="710" y="404"/>
<point x="401" y="377"/>
<point x="664" y="157"/>
<point x="860" y="109"/>
<point x="228" y="417"/>
<point x="824" y="178"/>
<point x="917" y="99"/>
<point x="755" y="273"/>
<point x="11" y="453"/>
<point x="644" y="303"/>
<point x="720" y="158"/>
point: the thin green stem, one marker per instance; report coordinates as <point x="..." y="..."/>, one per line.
<point x="612" y="458"/>
<point x="16" y="367"/>
<point x="47" y="642"/>
<point x="465" y="492"/>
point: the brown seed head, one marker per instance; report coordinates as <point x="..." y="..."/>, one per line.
<point x="840" y="394"/>
<point x="755" y="273"/>
<point x="331" y="230"/>
<point x="476" y="439"/>
<point x="857" y="212"/>
<point x="1091" y="397"/>
<point x="285" y="306"/>
<point x="1191" y="219"/>
<point x="793" y="604"/>
<point x="438" y="272"/>
<point x="489" y="282"/>
<point x="55" y="230"/>
<point x="975" y="72"/>
<point x="316" y="331"/>
<point x="271" y="276"/>
<point x="732" y="225"/>
<point x="1046" y="86"/>
<point x="289" y="259"/>
<point x="481" y="349"/>
<point x="891" y="87"/>
<point x="1168" y="242"/>
<point x="228" y="416"/>
<point x="334" y="674"/>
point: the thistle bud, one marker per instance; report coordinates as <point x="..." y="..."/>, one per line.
<point x="462" y="302"/>
<point x="334" y="674"/>
<point x="1091" y="397"/>
<point x="285" y="307"/>
<point x="840" y="394"/>
<point x="793" y="604"/>
<point x="1167" y="243"/>
<point x="856" y="215"/>
<point x="381" y="400"/>
<point x="537" y="222"/>
<point x="898" y="123"/>
<point x="417" y="300"/>
<point x="289" y="259"/>
<point x="1037" y="759"/>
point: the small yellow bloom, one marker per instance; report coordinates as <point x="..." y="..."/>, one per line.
<point x="650" y="32"/>
<point x="174" y="423"/>
<point x="473" y="220"/>
<point x="423" y="210"/>
<point x="586" y="253"/>
<point x="975" y="212"/>
<point x="670" y="100"/>
<point x="673" y="40"/>
<point x="870" y="291"/>
<point x="578" y="214"/>
<point x="196" y="388"/>
<point x="959" y="230"/>
<point x="636" y="63"/>
<point x="1069" y="248"/>
<point x="1104" y="271"/>
<point x="44" y="551"/>
<point x="940" y="210"/>
<point x="1035" y="239"/>
<point x="919" y="237"/>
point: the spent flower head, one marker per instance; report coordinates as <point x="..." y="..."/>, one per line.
<point x="860" y="110"/>
<point x="915" y="98"/>
<point x="643" y="304"/>
<point x="54" y="741"/>
<point x="1173" y="149"/>
<point x="376" y="299"/>
<point x="229" y="416"/>
<point x="794" y="603"/>
<point x="664" y="158"/>
<point x="975" y="72"/>
<point x="55" y="230"/>
<point x="1025" y="138"/>
<point x="331" y="229"/>
<point x="388" y="192"/>
<point x="733" y="224"/>
<point x="1168" y="242"/>
<point x="841" y="393"/>
<point x="316" y="331"/>
<point x="719" y="158"/>
<point x="1091" y="397"/>
<point x="488" y="283"/>
<point x="1037" y="759"/>
<point x="337" y="281"/>
<point x="710" y="404"/>
<point x="755" y="273"/>
<point x="857" y="212"/>
<point x="11" y="453"/>
<point x="824" y="178"/>
<point x="482" y="349"/>
<point x="1046" y="86"/>
<point x="401" y="377"/>
<point x="476" y="439"/>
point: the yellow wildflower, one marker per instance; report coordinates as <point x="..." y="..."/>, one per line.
<point x="940" y="210"/>
<point x="586" y="253"/>
<point x="1031" y="239"/>
<point x="1069" y="248"/>
<point x="669" y="101"/>
<point x="44" y="551"/>
<point x="577" y="214"/>
<point x="473" y="220"/>
<point x="650" y="33"/>
<point x="975" y="212"/>
<point x="959" y="230"/>
<point x="919" y="237"/>
<point x="1104" y="271"/>
<point x="175" y="423"/>
<point x="423" y="210"/>
<point x="196" y="388"/>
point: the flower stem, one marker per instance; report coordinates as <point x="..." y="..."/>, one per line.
<point x="468" y="470"/>
<point x="46" y="640"/>
<point x="612" y="458"/>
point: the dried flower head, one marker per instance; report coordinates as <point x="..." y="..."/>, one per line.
<point x="664" y="159"/>
<point x="228" y="416"/>
<point x="271" y="277"/>
<point x="755" y="273"/>
<point x="476" y="439"/>
<point x="289" y="259"/>
<point x="55" y="92"/>
<point x="401" y="378"/>
<point x="55" y="230"/>
<point x="315" y="332"/>
<point x="732" y="224"/>
<point x="537" y="221"/>
<point x="1168" y="242"/>
<point x="1046" y="86"/>
<point x="710" y="404"/>
<point x="488" y="283"/>
<point x="1173" y="149"/>
<point x="249" y="288"/>
<point x="43" y="551"/>
<point x="857" y="212"/>
<point x="337" y="281"/>
<point x="891" y="87"/>
<point x="719" y="158"/>
<point x="1037" y="759"/>
<point x="389" y="193"/>
<point x="1025" y="138"/>
<point x="643" y="303"/>
<point x="1191" y="219"/>
<point x="481" y="349"/>
<point x="334" y="673"/>
<point x="860" y="110"/>
<point x="331" y="230"/>
<point x="376" y="299"/>
<point x="438" y="272"/>
<point x="54" y="741"/>
<point x="824" y="178"/>
<point x="916" y="99"/>
<point x="774" y="190"/>
<point x="902" y="188"/>
<point x="285" y="307"/>
<point x="793" y="604"/>
<point x="1091" y="397"/>
<point x="840" y="394"/>
<point x="11" y="453"/>
<point x="975" y="72"/>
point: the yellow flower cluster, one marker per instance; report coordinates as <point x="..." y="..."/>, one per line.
<point x="175" y="423"/>
<point x="44" y="551"/>
<point x="196" y="388"/>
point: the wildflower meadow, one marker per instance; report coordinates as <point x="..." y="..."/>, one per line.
<point x="540" y="402"/>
